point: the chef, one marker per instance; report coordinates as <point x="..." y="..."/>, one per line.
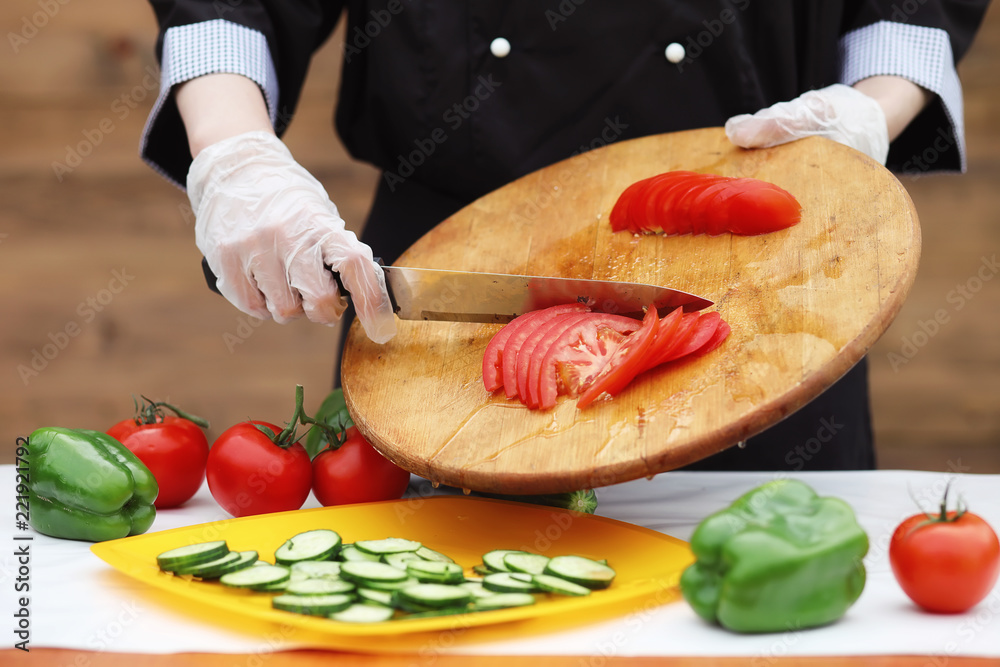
<point x="451" y="100"/>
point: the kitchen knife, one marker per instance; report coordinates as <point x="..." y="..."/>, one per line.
<point x="462" y="296"/>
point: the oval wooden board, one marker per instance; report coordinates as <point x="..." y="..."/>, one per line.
<point x="805" y="304"/>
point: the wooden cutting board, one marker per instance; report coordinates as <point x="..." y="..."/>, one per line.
<point x="805" y="304"/>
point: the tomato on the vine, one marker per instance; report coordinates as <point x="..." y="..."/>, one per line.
<point x="946" y="562"/>
<point x="355" y="472"/>
<point x="255" y="467"/>
<point x="174" y="448"/>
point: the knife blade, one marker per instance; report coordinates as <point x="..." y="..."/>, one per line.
<point x="463" y="296"/>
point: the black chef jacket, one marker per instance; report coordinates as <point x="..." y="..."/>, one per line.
<point x="424" y="99"/>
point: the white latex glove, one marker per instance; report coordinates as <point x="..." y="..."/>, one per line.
<point x="267" y="227"/>
<point x="837" y="112"/>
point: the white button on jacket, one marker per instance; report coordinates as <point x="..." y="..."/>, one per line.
<point x="674" y="53"/>
<point x="500" y="47"/>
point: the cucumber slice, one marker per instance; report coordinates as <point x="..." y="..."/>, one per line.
<point x="349" y="553"/>
<point x="430" y="613"/>
<point x="191" y="554"/>
<point x="503" y="601"/>
<point x="319" y="587"/>
<point x="481" y="570"/>
<point x="477" y="589"/>
<point x="317" y="569"/>
<point x="435" y="571"/>
<point x="399" y="559"/>
<point x="257" y="576"/>
<point x="558" y="585"/>
<point x="435" y="595"/>
<point x="390" y="545"/>
<point x="430" y="554"/>
<point x="312" y="605"/>
<point x="375" y="596"/>
<point x="522" y="561"/>
<point x="364" y="613"/>
<point x="389" y="585"/>
<point x="244" y="559"/>
<point x="365" y="573"/>
<point x="321" y="544"/>
<point x="506" y="582"/>
<point x="494" y="560"/>
<point x="198" y="568"/>
<point x="582" y="571"/>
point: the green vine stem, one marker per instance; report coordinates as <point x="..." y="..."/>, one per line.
<point x="151" y="412"/>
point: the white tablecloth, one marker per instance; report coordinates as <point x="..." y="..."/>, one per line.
<point x="75" y="604"/>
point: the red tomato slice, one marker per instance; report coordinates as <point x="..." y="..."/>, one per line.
<point x="578" y="354"/>
<point x="665" y="346"/>
<point x="704" y="329"/>
<point x="526" y="353"/>
<point x="533" y="396"/>
<point x="524" y="326"/>
<point x="625" y="364"/>
<point x="720" y="335"/>
<point x="761" y="208"/>
<point x="682" y="202"/>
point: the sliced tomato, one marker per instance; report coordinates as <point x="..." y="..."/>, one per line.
<point x="759" y="209"/>
<point x="624" y="364"/>
<point x="682" y="202"/>
<point x="579" y="353"/>
<point x="664" y="346"/>
<point x="533" y="397"/>
<point x="527" y="352"/>
<point x="522" y="328"/>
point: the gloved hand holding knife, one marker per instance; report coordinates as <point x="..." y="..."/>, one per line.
<point x="270" y="233"/>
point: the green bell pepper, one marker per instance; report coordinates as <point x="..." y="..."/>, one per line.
<point x="85" y="485"/>
<point x="779" y="558"/>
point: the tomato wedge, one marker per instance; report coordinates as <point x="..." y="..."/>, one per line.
<point x="685" y="202"/>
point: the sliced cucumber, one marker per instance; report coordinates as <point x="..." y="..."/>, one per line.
<point x="495" y="560"/>
<point x="435" y="595"/>
<point x="430" y="554"/>
<point x="522" y="561"/>
<point x="435" y="571"/>
<point x="198" y="568"/>
<point x="399" y="559"/>
<point x="503" y="601"/>
<point x="317" y="569"/>
<point x="481" y="570"/>
<point x="244" y="559"/>
<point x="257" y="576"/>
<point x="191" y="554"/>
<point x="431" y="613"/>
<point x="364" y="613"/>
<point x="375" y="596"/>
<point x="313" y="605"/>
<point x="350" y="553"/>
<point x="477" y="589"/>
<point x="390" y="545"/>
<point x="390" y="585"/>
<point x="582" y="571"/>
<point x="558" y="585"/>
<point x="365" y="573"/>
<point x="507" y="582"/>
<point x="320" y="544"/>
<point x="319" y="587"/>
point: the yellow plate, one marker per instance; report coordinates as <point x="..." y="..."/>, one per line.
<point x="648" y="566"/>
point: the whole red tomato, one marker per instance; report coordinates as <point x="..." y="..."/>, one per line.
<point x="248" y="473"/>
<point x="173" y="448"/>
<point x="947" y="562"/>
<point x="355" y="472"/>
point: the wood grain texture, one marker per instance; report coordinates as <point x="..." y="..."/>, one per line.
<point x="804" y="304"/>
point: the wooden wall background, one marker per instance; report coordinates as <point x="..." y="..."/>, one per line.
<point x="98" y="269"/>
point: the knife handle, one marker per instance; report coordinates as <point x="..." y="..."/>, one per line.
<point x="212" y="281"/>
